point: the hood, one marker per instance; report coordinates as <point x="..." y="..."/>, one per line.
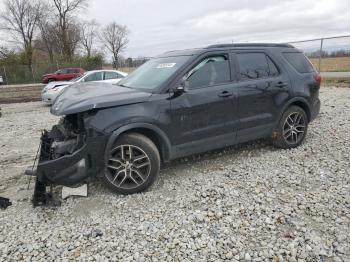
<point x="57" y="83"/>
<point x="49" y="74"/>
<point x="81" y="97"/>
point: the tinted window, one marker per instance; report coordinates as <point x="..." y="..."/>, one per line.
<point x="299" y="62"/>
<point x="62" y="71"/>
<point x="111" y="75"/>
<point x="256" y="65"/>
<point x="211" y="71"/>
<point x="93" y="77"/>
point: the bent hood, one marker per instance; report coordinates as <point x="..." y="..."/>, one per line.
<point x="81" y="97"/>
<point x="54" y="84"/>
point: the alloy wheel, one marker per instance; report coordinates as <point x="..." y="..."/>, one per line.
<point x="128" y="167"/>
<point x="294" y="128"/>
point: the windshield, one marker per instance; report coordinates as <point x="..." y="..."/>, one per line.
<point x="77" y="78"/>
<point x="153" y="73"/>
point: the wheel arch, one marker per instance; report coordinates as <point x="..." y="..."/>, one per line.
<point x="300" y="102"/>
<point x="154" y="133"/>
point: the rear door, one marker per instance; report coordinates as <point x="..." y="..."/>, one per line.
<point x="262" y="89"/>
<point x="204" y="116"/>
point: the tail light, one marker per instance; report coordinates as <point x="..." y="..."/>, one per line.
<point x="318" y="79"/>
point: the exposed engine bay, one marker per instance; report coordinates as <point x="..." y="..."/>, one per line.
<point x="68" y="154"/>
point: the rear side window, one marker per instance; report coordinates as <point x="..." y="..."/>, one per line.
<point x="299" y="62"/>
<point x="211" y="71"/>
<point x="256" y="65"/>
<point x="93" y="77"/>
<point x="111" y="75"/>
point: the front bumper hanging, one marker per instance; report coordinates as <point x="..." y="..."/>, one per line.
<point x="67" y="169"/>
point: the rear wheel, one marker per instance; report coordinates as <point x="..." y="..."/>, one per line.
<point x="133" y="164"/>
<point x="291" y="129"/>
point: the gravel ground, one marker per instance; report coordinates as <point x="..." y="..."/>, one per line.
<point x="250" y="202"/>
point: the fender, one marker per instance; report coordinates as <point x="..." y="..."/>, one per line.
<point x="293" y="100"/>
<point x="165" y="140"/>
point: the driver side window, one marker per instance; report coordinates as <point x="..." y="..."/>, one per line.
<point x="209" y="72"/>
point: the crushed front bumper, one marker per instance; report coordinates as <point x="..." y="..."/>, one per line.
<point x="68" y="169"/>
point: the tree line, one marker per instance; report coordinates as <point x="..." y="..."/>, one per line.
<point x="336" y="53"/>
<point x="51" y="29"/>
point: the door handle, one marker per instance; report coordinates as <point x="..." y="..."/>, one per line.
<point x="281" y="85"/>
<point x="225" y="94"/>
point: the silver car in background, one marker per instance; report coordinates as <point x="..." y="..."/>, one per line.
<point x="51" y="91"/>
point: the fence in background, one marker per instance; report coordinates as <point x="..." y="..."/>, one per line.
<point x="328" y="54"/>
<point x="22" y="74"/>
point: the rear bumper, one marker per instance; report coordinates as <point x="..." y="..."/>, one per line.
<point x="70" y="169"/>
<point x="315" y="110"/>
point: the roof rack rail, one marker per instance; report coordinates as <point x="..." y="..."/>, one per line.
<point x="249" y="45"/>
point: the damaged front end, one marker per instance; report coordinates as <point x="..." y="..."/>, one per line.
<point x="69" y="153"/>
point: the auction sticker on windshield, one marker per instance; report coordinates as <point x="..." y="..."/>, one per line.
<point x="166" y="65"/>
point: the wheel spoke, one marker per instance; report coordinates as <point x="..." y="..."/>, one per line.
<point x="286" y="130"/>
<point x="114" y="167"/>
<point x="116" y="176"/>
<point x="142" y="165"/>
<point x="130" y="152"/>
<point x="290" y="121"/>
<point x="139" y="158"/>
<point x="116" y="160"/>
<point x="300" y="128"/>
<point x="134" y="180"/>
<point x="295" y="135"/>
<point x="137" y="172"/>
<point x="124" y="178"/>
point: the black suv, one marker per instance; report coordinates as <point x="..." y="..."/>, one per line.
<point x="177" y="104"/>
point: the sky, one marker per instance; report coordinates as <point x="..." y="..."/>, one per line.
<point x="159" y="25"/>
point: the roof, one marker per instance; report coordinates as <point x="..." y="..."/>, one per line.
<point x="194" y="51"/>
<point x="249" y="45"/>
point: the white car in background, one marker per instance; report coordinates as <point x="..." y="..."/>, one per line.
<point x="53" y="89"/>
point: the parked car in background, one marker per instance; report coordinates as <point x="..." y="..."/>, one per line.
<point x="63" y="75"/>
<point x="1" y="80"/>
<point x="53" y="89"/>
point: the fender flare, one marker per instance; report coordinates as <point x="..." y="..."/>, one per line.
<point x="157" y="130"/>
<point x="293" y="100"/>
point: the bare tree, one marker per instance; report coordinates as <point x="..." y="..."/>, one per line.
<point x="48" y="40"/>
<point x="115" y="38"/>
<point x="89" y="34"/>
<point x="67" y="27"/>
<point x="21" y="18"/>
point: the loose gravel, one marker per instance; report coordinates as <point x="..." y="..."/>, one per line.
<point x="250" y="202"/>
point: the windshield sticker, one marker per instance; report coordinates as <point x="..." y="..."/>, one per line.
<point x="167" y="65"/>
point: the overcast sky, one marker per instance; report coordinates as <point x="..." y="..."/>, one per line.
<point x="160" y="25"/>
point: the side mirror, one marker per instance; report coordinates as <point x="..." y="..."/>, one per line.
<point x="183" y="86"/>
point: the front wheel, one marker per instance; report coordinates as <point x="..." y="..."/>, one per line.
<point x="133" y="164"/>
<point x="291" y="129"/>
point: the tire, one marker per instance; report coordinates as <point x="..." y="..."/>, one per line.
<point x="50" y="80"/>
<point x="291" y="130"/>
<point x="127" y="173"/>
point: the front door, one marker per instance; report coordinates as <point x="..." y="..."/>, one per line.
<point x="204" y="116"/>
